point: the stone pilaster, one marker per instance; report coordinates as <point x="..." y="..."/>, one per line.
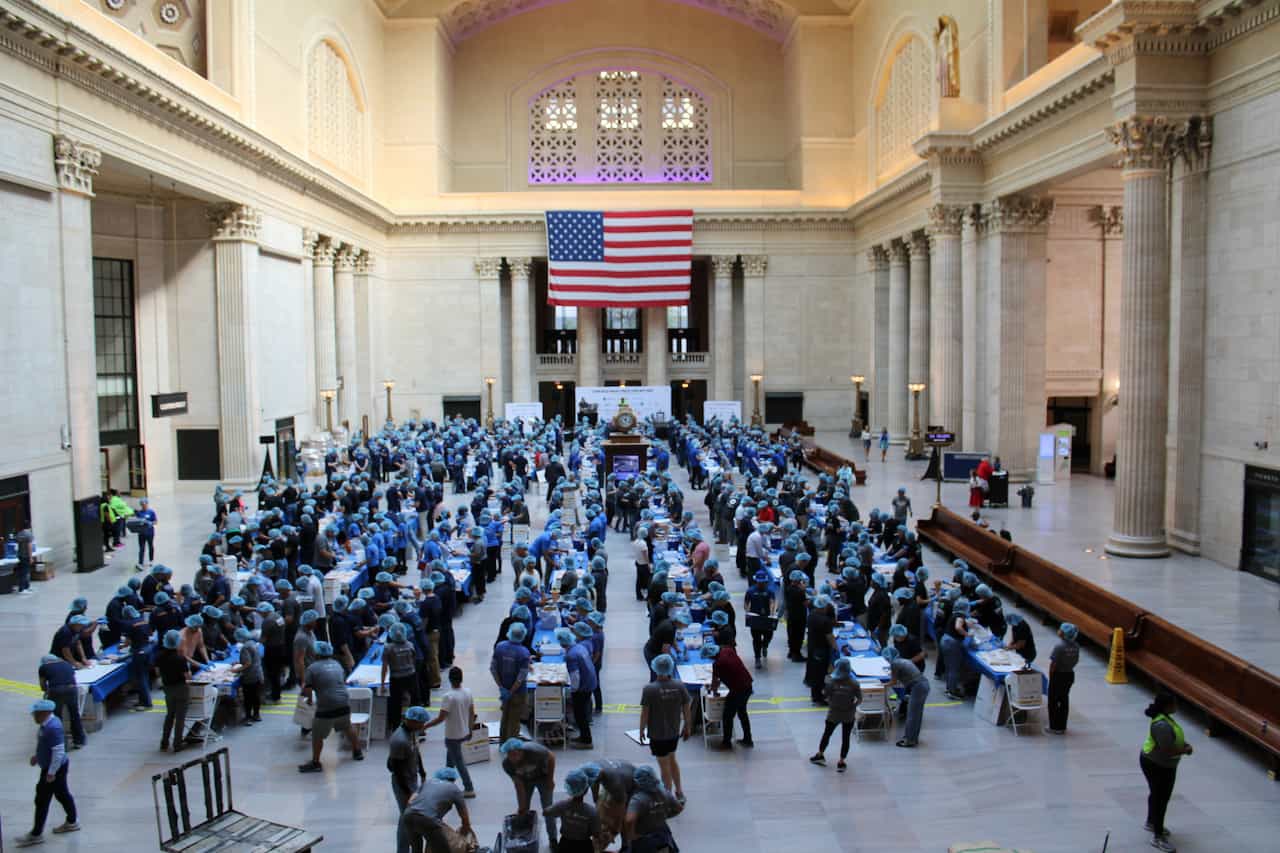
<point x="589" y="375"/>
<point x="754" y="268"/>
<point x="522" y="390"/>
<point x="369" y="373"/>
<point x="75" y="165"/>
<point x="1186" y="423"/>
<point x="945" y="318"/>
<point x="655" y="346"/>
<point x="309" y="240"/>
<point x="1019" y="224"/>
<point x="918" y="306"/>
<point x="722" y="326"/>
<point x="970" y="285"/>
<point x="899" y="340"/>
<point x="322" y="254"/>
<point x="489" y="275"/>
<point x="344" y="296"/>
<point x="235" y="261"/>
<point x="878" y="263"/>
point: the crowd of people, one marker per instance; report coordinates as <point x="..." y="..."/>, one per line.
<point x="379" y="508"/>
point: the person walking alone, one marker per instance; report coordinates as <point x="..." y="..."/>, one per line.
<point x="51" y="758"/>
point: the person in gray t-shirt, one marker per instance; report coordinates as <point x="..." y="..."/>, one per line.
<point x="665" y="717"/>
<point x="579" y="821"/>
<point x="422" y="822"/>
<point x="1062" y="674"/>
<point x="844" y="695"/>
<point x="531" y="765"/>
<point x="906" y="675"/>
<point x="324" y="686"/>
<point x="249" y="668"/>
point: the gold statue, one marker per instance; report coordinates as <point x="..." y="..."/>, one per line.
<point x="946" y="41"/>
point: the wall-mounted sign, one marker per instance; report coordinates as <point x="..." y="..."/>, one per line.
<point x="168" y="405"/>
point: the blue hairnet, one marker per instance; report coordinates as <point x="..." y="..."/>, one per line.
<point x="591" y="770"/>
<point x="398" y="633"/>
<point x="308" y="617"/>
<point x="446" y="774"/>
<point x="1014" y="619"/>
<point x="564" y="636"/>
<point x="596" y="618"/>
<point x="194" y="621"/>
<point x="720" y="618"/>
<point x="41" y="705"/>
<point x="582" y="630"/>
<point x="902" y="593"/>
<point x="983" y="591"/>
<point x="843" y="669"/>
<point x="576" y="783"/>
<point x="211" y="612"/>
<point x="322" y="649"/>
<point x="1069" y="631"/>
<point x="511" y="744"/>
<point x="710" y="650"/>
<point x="417" y="714"/>
<point x="243" y="635"/>
<point x="171" y="639"/>
<point x="898" y="631"/>
<point x="890" y="653"/>
<point x="646" y="779"/>
<point x="522" y="613"/>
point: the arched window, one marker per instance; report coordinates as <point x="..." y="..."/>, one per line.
<point x="335" y="110"/>
<point x="904" y="106"/>
<point x="619" y="126"/>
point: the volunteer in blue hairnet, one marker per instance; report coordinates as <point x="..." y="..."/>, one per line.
<point x="422" y="826"/>
<point x="51" y="759"/>
<point x="404" y="762"/>
<point x="1062" y="674"/>
<point x="646" y="829"/>
<point x="509" y="667"/>
<point x="531" y="766"/>
<point x="666" y="717"/>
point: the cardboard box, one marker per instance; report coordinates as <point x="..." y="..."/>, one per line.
<point x="42" y="571"/>
<point x="476" y="749"/>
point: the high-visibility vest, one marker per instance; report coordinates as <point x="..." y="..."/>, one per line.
<point x="1179" y="740"/>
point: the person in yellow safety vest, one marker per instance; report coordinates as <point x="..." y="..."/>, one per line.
<point x="1164" y="747"/>
<point x="115" y="511"/>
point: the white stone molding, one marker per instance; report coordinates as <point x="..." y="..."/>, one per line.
<point x="75" y="164"/>
<point x="878" y="258"/>
<point x="1145" y="142"/>
<point x="233" y="221"/>
<point x="324" y="251"/>
<point x="946" y="219"/>
<point x="722" y="265"/>
<point x="1094" y="79"/>
<point x="754" y="266"/>
<point x="363" y="262"/>
<point x="488" y="268"/>
<point x="344" y="260"/>
<point x="309" y="241"/>
<point x="1020" y="214"/>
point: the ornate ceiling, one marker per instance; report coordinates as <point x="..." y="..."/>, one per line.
<point x="465" y="18"/>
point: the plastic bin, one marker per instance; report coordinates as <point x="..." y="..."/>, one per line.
<point x="520" y="834"/>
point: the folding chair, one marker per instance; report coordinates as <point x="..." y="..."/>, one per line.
<point x="549" y="714"/>
<point x="1023" y="690"/>
<point x="202" y="702"/>
<point x="712" y="716"/>
<point x="360" y="701"/>
<point x="874" y="706"/>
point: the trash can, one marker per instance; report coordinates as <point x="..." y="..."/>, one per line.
<point x="1027" y="492"/>
<point x="998" y="489"/>
<point x="520" y="834"/>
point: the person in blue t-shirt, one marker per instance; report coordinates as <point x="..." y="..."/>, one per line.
<point x="146" y="517"/>
<point x="51" y="758"/>
<point x="58" y="680"/>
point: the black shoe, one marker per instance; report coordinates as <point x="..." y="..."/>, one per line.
<point x="310" y="767"/>
<point x="358" y="755"/>
<point x="905" y="744"/>
<point x="749" y="744"/>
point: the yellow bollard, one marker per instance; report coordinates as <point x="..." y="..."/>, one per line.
<point x="1115" y="665"/>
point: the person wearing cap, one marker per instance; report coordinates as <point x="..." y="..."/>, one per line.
<point x="1062" y="674"/>
<point x="582" y="678"/>
<point x="58" y="681"/>
<point x="666" y="717"/>
<point x="796" y="600"/>
<point x="304" y="644"/>
<point x="530" y="765"/>
<point x="312" y="588"/>
<point x="612" y="783"/>
<point x="757" y="549"/>
<point x="404" y="762"/>
<point x="1021" y="640"/>
<point x="165" y="616"/>
<point x="175" y="673"/>
<point x="509" y="667"/>
<point x="955" y="632"/>
<point x="477" y="555"/>
<point x="290" y="613"/>
<point x="821" y="628"/>
<point x="646" y="829"/>
<point x="324" y="685"/>
<point x="275" y="655"/>
<point x="146" y="517"/>
<point x="249" y="668"/>
<point x="191" y="642"/>
<point x="421" y="826"/>
<point x="901" y="506"/>
<point x="51" y="758"/>
<point x="342" y="633"/>
<point x="879" y="609"/>
<point x="728" y="669"/>
<point x="579" y="820"/>
<point x="843" y="694"/>
<point x="906" y="676"/>
<point x="398" y="661"/>
<point x="66" y="640"/>
<point x="458" y="715"/>
<point x="138" y="639"/>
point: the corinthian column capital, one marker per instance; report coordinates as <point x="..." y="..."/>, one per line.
<point x="722" y="265"/>
<point x="754" y="265"/>
<point x="878" y="257"/>
<point x="488" y="267"/>
<point x="918" y="244"/>
<point x="945" y="219"/>
<point x="520" y="267"/>
<point x="363" y="262"/>
<point x="344" y="260"/>
<point x="1145" y="142"/>
<point x="1194" y="141"/>
<point x="75" y="164"/>
<point x="309" y="240"/>
<point x="323" y="252"/>
<point x="1015" y="213"/>
<point x="235" y="222"/>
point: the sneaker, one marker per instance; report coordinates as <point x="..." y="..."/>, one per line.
<point x="1149" y="828"/>
<point x="680" y="798"/>
<point x="468" y="795"/>
<point x="749" y="744"/>
<point x="27" y="591"/>
<point x="759" y="664"/>
<point x="69" y="826"/>
<point x="841" y="766"/>
<point x="1050" y="731"/>
<point x="1160" y="842"/>
<point x="906" y="744"/>
<point x="28" y="840"/>
<point x="310" y="767"/>
<point x="819" y="759"/>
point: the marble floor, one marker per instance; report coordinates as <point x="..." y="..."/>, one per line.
<point x="969" y="781"/>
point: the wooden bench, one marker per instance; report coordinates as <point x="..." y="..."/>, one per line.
<point x="1232" y="692"/>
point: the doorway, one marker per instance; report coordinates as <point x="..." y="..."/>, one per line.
<point x="557" y="399"/>
<point x="687" y="398"/>
<point x="1074" y="411"/>
<point x="286" y="449"/>
<point x="467" y="408"/>
<point x="1260" y="544"/>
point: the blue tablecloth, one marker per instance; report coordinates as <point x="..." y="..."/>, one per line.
<point x="460" y="564"/>
<point x="977" y="663"/>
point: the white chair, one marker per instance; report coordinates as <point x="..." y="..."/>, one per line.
<point x="874" y="706"/>
<point x="549" y="715"/>
<point x="202" y="702"/>
<point x="1023" y="690"/>
<point x="712" y="715"/>
<point x="360" y="701"/>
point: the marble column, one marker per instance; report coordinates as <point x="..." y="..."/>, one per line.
<point x="235" y="262"/>
<point x="344" y="296"/>
<point x="322" y="255"/>
<point x="309" y="241"/>
<point x="1147" y="146"/>
<point x="753" y="325"/>
<point x="1191" y="221"/>
<point x="655" y="347"/>
<point x="369" y="374"/>
<point x="75" y="166"/>
<point x="899" y="341"/>
<point x="969" y="353"/>
<point x="522" y="390"/>
<point x="589" y="347"/>
<point x="946" y="315"/>
<point x="918" y="307"/>
<point x="1016" y="335"/>
<point x="489" y="275"/>
<point x="878" y="262"/>
<point x="722" y="327"/>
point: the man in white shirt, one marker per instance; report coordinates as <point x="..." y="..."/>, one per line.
<point x="640" y="549"/>
<point x="458" y="714"/>
<point x="314" y="587"/>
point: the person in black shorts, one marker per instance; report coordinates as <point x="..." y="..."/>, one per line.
<point x="666" y="716"/>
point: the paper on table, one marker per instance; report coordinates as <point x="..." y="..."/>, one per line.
<point x="870" y="667"/>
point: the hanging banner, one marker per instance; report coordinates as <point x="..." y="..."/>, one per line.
<point x="528" y="413"/>
<point x="645" y="400"/>
<point x="724" y="410"/>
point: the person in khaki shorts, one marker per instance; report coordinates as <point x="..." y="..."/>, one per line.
<point x="509" y="667"/>
<point x="324" y="685"/>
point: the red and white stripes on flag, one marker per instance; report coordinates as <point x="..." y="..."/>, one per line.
<point x="634" y="259"/>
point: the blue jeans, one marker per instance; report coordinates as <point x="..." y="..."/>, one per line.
<point x="24" y="575"/>
<point x="453" y="758"/>
<point x="953" y="654"/>
<point x="140" y="671"/>
<point x="916" y="698"/>
<point x="146" y="542"/>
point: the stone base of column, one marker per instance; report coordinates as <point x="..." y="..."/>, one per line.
<point x="1186" y="542"/>
<point x="1139" y="547"/>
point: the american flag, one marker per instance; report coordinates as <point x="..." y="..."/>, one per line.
<point x="637" y="259"/>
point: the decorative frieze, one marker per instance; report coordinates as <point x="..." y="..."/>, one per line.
<point x="754" y="265"/>
<point x="488" y="268"/>
<point x="233" y="221"/>
<point x="75" y="164"/>
<point x="1020" y="213"/>
<point x="1145" y="142"/>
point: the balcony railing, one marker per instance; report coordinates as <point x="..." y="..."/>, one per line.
<point x="689" y="359"/>
<point x="623" y="359"/>
<point x="557" y="359"/>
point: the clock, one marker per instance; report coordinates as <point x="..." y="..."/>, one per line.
<point x="625" y="420"/>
